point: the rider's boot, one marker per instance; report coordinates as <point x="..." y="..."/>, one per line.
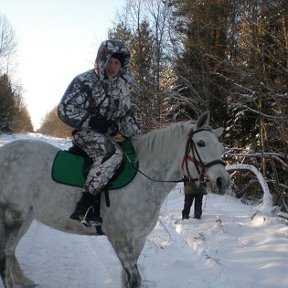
<point x="85" y="211"/>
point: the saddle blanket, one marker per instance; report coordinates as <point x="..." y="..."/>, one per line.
<point x="68" y="168"/>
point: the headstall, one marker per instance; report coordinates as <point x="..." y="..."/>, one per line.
<point x="196" y="158"/>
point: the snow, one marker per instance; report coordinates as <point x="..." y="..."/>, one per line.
<point x="266" y="205"/>
<point x="230" y="246"/>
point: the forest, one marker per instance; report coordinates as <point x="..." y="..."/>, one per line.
<point x="187" y="56"/>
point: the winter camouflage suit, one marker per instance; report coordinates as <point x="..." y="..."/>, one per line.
<point x="98" y="108"/>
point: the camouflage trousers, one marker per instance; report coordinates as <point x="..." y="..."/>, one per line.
<point x="106" y="154"/>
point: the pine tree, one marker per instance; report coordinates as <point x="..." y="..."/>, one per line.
<point x="53" y="126"/>
<point x="7" y="104"/>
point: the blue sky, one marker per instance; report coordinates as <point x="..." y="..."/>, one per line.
<point x="56" y="41"/>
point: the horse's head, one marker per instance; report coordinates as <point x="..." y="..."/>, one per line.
<point x="202" y="160"/>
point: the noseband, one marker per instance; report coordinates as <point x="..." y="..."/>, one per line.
<point x="199" y="164"/>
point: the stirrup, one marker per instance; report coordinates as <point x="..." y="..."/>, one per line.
<point x="91" y="222"/>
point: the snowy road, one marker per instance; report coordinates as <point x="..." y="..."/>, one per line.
<point x="216" y="251"/>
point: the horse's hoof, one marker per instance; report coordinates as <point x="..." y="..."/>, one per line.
<point x="27" y="285"/>
<point x="33" y="285"/>
<point x="148" y="284"/>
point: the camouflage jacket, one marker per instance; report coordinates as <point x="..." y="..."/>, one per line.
<point x="90" y="94"/>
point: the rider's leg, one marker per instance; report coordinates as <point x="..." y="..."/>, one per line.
<point x="107" y="156"/>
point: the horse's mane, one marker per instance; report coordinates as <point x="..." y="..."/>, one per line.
<point x="159" y="139"/>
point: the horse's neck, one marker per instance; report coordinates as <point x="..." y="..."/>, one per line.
<point x="160" y="152"/>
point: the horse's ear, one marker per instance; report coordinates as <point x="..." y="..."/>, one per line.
<point x="203" y="119"/>
<point x="219" y="131"/>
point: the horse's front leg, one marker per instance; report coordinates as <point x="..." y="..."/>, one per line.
<point x="18" y="276"/>
<point x="128" y="251"/>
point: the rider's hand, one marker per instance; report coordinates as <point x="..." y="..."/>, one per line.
<point x="100" y="125"/>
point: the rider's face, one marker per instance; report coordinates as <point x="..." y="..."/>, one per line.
<point x="113" y="67"/>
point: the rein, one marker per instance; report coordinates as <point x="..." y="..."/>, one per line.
<point x="155" y="180"/>
<point x="199" y="164"/>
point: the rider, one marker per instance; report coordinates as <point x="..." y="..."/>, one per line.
<point x="97" y="105"/>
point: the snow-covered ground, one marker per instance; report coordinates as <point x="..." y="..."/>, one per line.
<point x="226" y="248"/>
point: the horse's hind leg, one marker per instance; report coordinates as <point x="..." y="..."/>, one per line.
<point x="6" y="257"/>
<point x="128" y="252"/>
<point x="12" y="228"/>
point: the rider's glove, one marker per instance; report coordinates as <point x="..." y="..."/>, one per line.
<point x="100" y="125"/>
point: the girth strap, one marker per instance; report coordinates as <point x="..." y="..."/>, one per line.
<point x="97" y="206"/>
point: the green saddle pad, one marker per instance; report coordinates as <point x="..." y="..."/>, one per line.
<point x="68" y="168"/>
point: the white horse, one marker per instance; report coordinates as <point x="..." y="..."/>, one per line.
<point x="27" y="192"/>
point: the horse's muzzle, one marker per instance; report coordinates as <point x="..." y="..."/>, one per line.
<point x="219" y="182"/>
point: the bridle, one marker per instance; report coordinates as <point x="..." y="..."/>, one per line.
<point x="196" y="158"/>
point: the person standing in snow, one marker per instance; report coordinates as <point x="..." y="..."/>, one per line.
<point x="97" y="105"/>
<point x="193" y="192"/>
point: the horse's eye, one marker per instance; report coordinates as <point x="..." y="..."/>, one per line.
<point x="201" y="143"/>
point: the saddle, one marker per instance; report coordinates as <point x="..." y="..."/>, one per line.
<point x="71" y="167"/>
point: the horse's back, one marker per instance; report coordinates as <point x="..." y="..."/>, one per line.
<point x="25" y="152"/>
<point x="22" y="161"/>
